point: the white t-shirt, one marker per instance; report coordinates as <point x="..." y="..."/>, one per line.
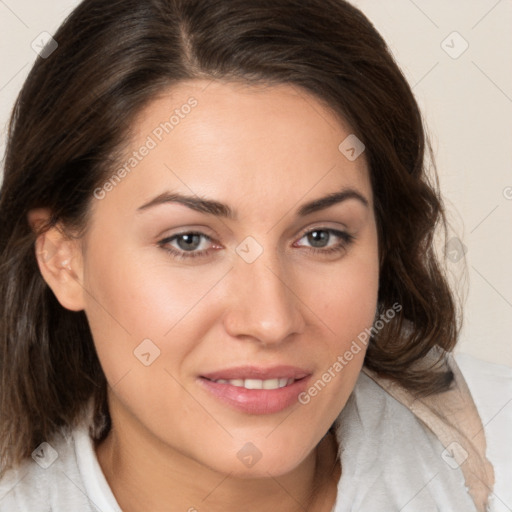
<point x="405" y="472"/>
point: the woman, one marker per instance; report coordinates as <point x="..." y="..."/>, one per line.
<point x="220" y="289"/>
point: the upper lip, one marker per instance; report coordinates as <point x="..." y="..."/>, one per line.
<point x="258" y="372"/>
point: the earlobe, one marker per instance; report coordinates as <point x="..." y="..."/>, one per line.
<point x="59" y="258"/>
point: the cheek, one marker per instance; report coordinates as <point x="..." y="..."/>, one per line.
<point x="131" y="299"/>
<point x="144" y="294"/>
<point x="345" y="302"/>
<point x="347" y="315"/>
<point x="345" y="297"/>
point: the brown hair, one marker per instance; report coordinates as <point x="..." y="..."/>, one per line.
<point x="74" y="114"/>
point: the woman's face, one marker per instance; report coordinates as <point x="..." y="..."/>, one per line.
<point x="274" y="294"/>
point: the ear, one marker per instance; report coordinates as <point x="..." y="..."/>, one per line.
<point x="60" y="260"/>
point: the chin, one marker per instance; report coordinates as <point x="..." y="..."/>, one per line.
<point x="261" y="469"/>
<point x="257" y="460"/>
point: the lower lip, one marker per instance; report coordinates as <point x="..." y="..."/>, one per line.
<point x="256" y="401"/>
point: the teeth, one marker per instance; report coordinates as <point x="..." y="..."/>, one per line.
<point x="258" y="383"/>
<point x="272" y="384"/>
<point x="253" y="384"/>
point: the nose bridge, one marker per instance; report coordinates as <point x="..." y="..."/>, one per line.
<point x="263" y="305"/>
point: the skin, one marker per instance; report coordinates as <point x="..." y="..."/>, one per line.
<point x="264" y="151"/>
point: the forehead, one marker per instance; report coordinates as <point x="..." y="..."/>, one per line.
<point x="234" y="140"/>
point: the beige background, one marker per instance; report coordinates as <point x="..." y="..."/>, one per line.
<point x="466" y="97"/>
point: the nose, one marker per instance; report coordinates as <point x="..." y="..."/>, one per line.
<point x="263" y="304"/>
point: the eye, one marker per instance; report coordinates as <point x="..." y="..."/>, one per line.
<point x="186" y="244"/>
<point x="320" y="237"/>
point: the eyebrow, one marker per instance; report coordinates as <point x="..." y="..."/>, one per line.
<point x="219" y="209"/>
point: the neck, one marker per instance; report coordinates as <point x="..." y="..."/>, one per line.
<point x="144" y="475"/>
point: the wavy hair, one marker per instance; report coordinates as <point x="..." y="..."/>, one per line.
<point x="74" y="114"/>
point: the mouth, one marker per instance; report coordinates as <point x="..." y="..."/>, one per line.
<point x="277" y="383"/>
<point x="253" y="390"/>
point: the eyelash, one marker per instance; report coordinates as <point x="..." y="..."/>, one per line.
<point x="346" y="238"/>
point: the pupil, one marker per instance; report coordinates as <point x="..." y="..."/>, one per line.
<point x="191" y="241"/>
<point x="314" y="238"/>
